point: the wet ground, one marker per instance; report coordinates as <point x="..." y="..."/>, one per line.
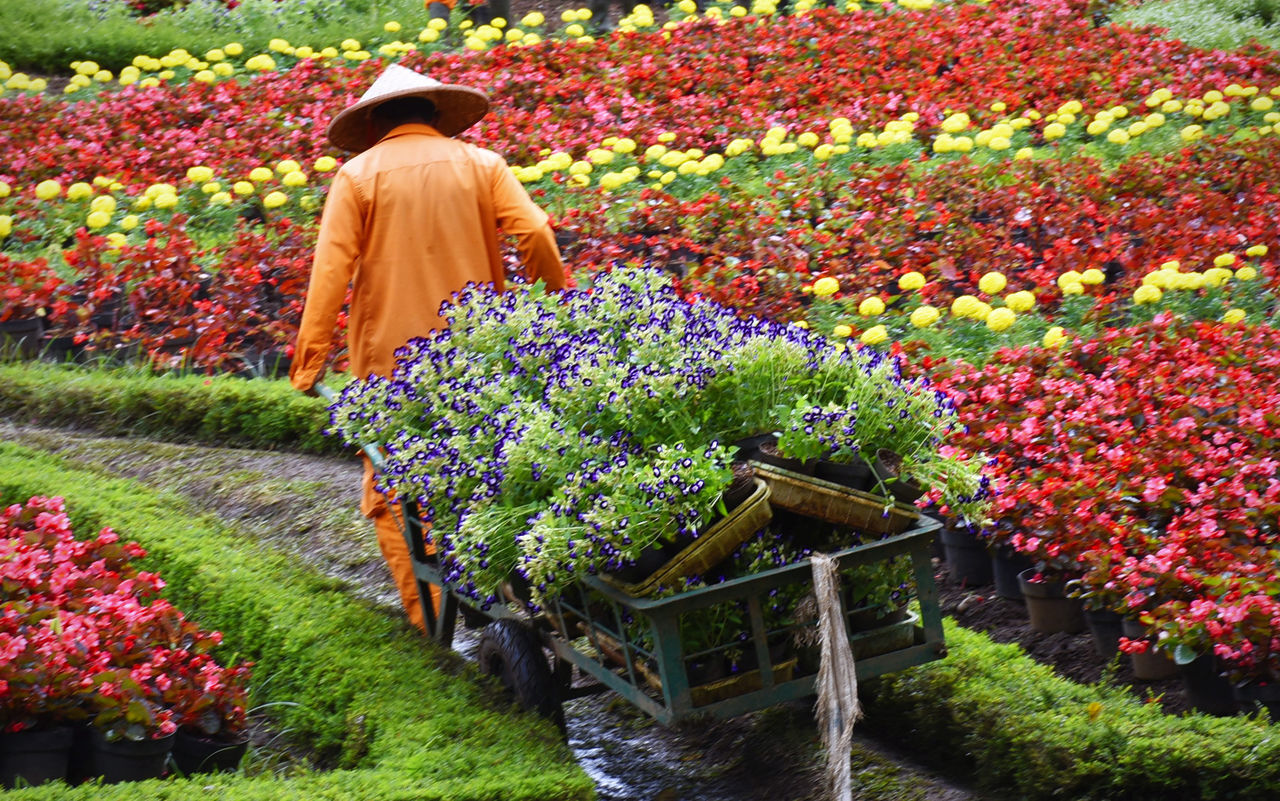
<point x="306" y="506"/>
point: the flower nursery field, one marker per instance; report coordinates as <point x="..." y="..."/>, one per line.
<point x="1065" y="226"/>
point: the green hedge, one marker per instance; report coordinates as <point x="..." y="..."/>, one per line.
<point x="399" y="718"/>
<point x="219" y="410"/>
<point x="1012" y="726"/>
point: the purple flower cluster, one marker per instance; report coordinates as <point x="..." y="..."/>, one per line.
<point x="551" y="435"/>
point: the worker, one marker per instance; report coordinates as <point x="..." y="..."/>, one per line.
<point x="409" y="222"/>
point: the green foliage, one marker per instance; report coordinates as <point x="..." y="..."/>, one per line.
<point x="383" y="707"/>
<point x="47" y="35"/>
<point x="1010" y="724"/>
<point x="1219" y="24"/>
<point x="219" y="410"/>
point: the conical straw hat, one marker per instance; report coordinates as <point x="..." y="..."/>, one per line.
<point x="460" y="107"/>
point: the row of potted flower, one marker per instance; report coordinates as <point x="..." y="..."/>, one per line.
<point x="94" y="658"/>
<point x="1141" y="466"/>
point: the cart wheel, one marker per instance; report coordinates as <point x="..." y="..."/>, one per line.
<point x="511" y="652"/>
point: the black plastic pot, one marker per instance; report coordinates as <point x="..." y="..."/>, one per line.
<point x="1104" y="630"/>
<point x="1048" y="606"/>
<point x="1207" y="689"/>
<point x="194" y="753"/>
<point x="968" y="561"/>
<point x="854" y="476"/>
<point x="35" y="756"/>
<point x="120" y="760"/>
<point x="1006" y="563"/>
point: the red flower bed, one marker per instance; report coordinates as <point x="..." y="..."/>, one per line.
<point x="83" y="637"/>
<point x="1145" y="463"/>
<point x="753" y="246"/>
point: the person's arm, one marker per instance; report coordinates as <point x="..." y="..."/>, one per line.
<point x="336" y="256"/>
<point x="521" y="218"/>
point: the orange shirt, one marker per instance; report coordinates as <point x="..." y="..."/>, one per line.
<point x="407" y="223"/>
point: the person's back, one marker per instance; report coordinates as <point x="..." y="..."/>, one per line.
<point x="408" y="222"/>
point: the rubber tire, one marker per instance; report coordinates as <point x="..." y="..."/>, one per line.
<point x="510" y="652"/>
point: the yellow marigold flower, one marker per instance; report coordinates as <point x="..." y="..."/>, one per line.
<point x="1147" y="294"/>
<point x="199" y="174"/>
<point x="79" y="191"/>
<point x="141" y="204"/>
<point x="826" y="286"/>
<point x="961" y="144"/>
<point x="48" y="190"/>
<point x="1246" y="273"/>
<point x="871" y="307"/>
<point x="875" y="335"/>
<point x="129" y="222"/>
<point x="1054" y="337"/>
<point x="624" y="145"/>
<point x="1098" y="125"/>
<point x="1263" y="103"/>
<point x="1001" y="319"/>
<point x="1072" y="288"/>
<point x="1191" y="133"/>
<point x="105" y="203"/>
<point x="242" y="188"/>
<point x="911" y="281"/>
<point x="220" y="199"/>
<point x="295" y="178"/>
<point x="1069" y="277"/>
<point x="1254" y="251"/>
<point x="925" y="316"/>
<point x="429" y="34"/>
<point x="1233" y="316"/>
<point x="1217" y="276"/>
<point x="260" y="63"/>
<point x="1221" y="260"/>
<point x="999" y="143"/>
<point x="808" y="139"/>
<point x="823" y="152"/>
<point x="1118" y="136"/>
<point x="955" y="123"/>
<point x="6" y="225"/>
<point x="325" y="164"/>
<point x="97" y="219"/>
<point x="275" y="200"/>
<point x="165" y="200"/>
<point x="964" y="306"/>
<point x="1157" y="278"/>
<point x="801" y="324"/>
<point x="1092" y="276"/>
<point x="1023" y="154"/>
<point x="205" y="76"/>
<point x="391" y="27"/>
<point x="992" y="283"/>
<point x="1020" y="302"/>
<point x="5" y="189"/>
<point x="260" y="174"/>
<point x="842" y="331"/>
<point x="117" y="240"/>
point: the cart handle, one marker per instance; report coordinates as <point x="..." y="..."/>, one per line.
<point x="372" y="451"/>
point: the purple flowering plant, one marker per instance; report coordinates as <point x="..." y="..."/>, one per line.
<point x="552" y="435"/>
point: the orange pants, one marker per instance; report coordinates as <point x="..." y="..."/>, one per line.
<point x="395" y="550"/>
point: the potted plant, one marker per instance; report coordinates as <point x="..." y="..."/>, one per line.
<point x="30" y="292"/>
<point x="209" y="704"/>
